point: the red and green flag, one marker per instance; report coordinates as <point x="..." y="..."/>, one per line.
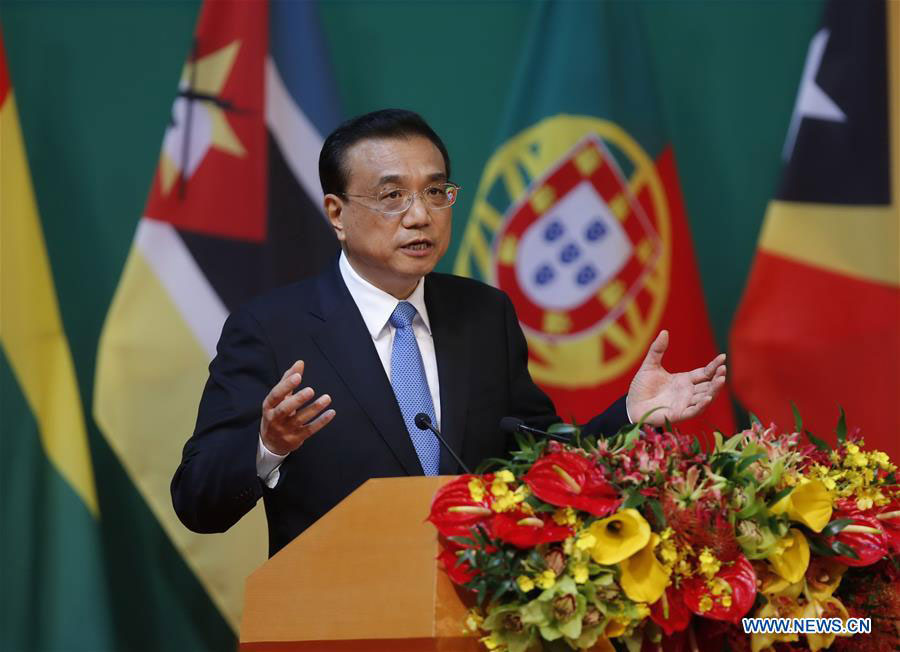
<point x="819" y="323"/>
<point x="578" y="215"/>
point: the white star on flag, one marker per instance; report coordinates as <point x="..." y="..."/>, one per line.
<point x="812" y="102"/>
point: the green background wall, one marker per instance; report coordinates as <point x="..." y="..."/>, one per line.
<point x="94" y="82"/>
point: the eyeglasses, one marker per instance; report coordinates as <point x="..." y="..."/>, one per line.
<point x="399" y="200"/>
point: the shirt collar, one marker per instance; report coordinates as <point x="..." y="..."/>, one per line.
<point x="376" y="305"/>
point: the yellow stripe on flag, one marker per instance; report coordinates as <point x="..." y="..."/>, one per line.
<point x="858" y="241"/>
<point x="150" y="374"/>
<point x="31" y="330"/>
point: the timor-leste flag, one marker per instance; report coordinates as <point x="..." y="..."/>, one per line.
<point x="234" y="209"/>
<point x="54" y="590"/>
<point x="579" y="218"/>
<point x="819" y="322"/>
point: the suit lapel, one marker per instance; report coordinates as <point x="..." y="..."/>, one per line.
<point x="345" y="342"/>
<point x="450" y="335"/>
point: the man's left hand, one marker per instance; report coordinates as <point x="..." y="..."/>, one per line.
<point x="679" y="396"/>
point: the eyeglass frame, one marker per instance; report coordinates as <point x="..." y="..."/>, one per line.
<point x="413" y="195"/>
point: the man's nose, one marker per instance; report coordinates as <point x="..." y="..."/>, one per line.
<point x="417" y="214"/>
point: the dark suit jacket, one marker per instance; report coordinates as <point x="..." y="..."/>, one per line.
<point x="481" y="358"/>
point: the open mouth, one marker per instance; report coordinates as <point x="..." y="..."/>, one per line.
<point x="418" y="246"/>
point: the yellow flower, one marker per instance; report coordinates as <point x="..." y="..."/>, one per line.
<point x="790" y="557"/>
<point x="564" y="516"/>
<point x="473" y="621"/>
<point x="546" y="580"/>
<point x="491" y="642"/>
<point x="619" y="536"/>
<point x="709" y="565"/>
<point x="726" y="601"/>
<point x="504" y="476"/>
<point x="827" y="608"/>
<point x="525" y="583"/>
<point x="615" y="628"/>
<point x="643" y="578"/>
<point x="706" y="603"/>
<point x="476" y="489"/>
<point x="809" y="503"/>
<point x="586" y="541"/>
<point x="580" y="572"/>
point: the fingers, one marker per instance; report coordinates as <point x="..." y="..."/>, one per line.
<point x="307" y="414"/>
<point x="290" y="380"/>
<point x="714" y="368"/>
<point x="318" y="423"/>
<point x="657" y="349"/>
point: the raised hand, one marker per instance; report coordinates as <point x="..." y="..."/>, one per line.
<point x="288" y="418"/>
<point x="680" y="395"/>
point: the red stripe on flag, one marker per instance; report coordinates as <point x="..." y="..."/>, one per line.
<point x="5" y="84"/>
<point x="822" y="340"/>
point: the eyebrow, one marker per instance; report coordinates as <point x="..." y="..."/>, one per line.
<point x="396" y="178"/>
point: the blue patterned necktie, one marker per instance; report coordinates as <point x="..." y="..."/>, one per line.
<point x="411" y="387"/>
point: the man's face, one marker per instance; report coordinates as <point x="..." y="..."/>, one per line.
<point x="391" y="251"/>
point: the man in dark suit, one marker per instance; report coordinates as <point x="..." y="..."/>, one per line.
<point x="383" y="338"/>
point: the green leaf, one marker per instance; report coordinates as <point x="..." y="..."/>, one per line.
<point x="747" y="461"/>
<point x="843" y="549"/>
<point x="779" y="495"/>
<point x="835" y="526"/>
<point x="841" y="429"/>
<point x="631" y="436"/>
<point x="817" y="546"/>
<point x="562" y="429"/>
<point x="818" y="443"/>
<point x="634" y="499"/>
<point x="667" y="426"/>
<point x="719" y="440"/>
<point x="754" y="420"/>
<point x="657" y="510"/>
<point x="798" y="420"/>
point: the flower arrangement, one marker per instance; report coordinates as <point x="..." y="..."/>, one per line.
<point x="645" y="542"/>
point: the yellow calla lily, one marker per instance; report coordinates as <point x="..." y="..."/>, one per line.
<point x="790" y="557"/>
<point x="619" y="536"/>
<point x="643" y="578"/>
<point x="828" y="608"/>
<point x="777" y="608"/>
<point x="809" y="503"/>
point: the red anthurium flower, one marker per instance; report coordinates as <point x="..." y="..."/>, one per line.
<point x="527" y="530"/>
<point x="889" y="517"/>
<point x="458" y="572"/>
<point x="571" y="480"/>
<point x="866" y="536"/>
<point x="728" y="603"/>
<point x="670" y="612"/>
<point x="454" y="511"/>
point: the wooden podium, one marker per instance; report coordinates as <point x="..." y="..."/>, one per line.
<point x="363" y="577"/>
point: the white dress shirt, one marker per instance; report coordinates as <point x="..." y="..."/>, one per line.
<point x="376" y="307"/>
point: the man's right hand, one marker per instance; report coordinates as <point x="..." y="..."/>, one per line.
<point x="289" y="419"/>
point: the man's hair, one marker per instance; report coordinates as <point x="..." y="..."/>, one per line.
<point x="386" y="123"/>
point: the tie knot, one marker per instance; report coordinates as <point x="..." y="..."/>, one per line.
<point x="403" y="314"/>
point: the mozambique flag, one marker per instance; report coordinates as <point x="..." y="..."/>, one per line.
<point x="579" y="217"/>
<point x="233" y="210"/>
<point x="54" y="592"/>
<point x="819" y="323"/>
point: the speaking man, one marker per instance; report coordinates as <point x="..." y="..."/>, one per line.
<point x="377" y="338"/>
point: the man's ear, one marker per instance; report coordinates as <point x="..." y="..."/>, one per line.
<point x="334" y="211"/>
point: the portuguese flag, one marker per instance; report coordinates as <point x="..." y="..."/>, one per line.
<point x="579" y="216"/>
<point x="54" y="591"/>
<point x="233" y="209"/>
<point x="819" y="323"/>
